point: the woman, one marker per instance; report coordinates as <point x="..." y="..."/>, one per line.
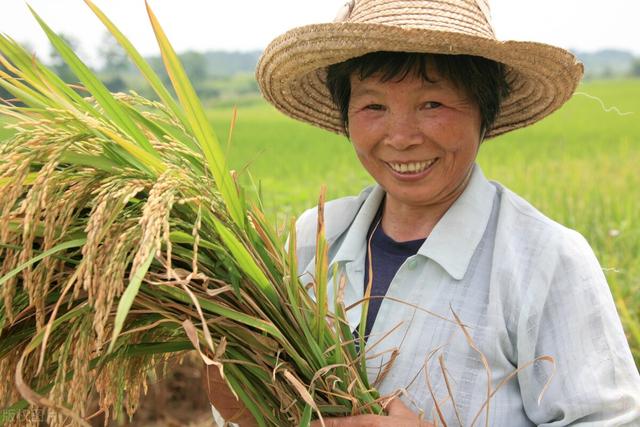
<point x="417" y="86"/>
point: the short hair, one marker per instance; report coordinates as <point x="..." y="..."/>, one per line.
<point x="483" y="80"/>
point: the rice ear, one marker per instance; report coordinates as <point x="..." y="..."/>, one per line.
<point x="122" y="229"/>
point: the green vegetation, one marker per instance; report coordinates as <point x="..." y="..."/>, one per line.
<point x="125" y="240"/>
<point x="4" y="132"/>
<point x="579" y="167"/>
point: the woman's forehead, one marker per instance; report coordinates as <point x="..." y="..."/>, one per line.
<point x="376" y="84"/>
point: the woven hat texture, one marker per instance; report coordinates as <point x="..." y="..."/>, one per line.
<point x="292" y="70"/>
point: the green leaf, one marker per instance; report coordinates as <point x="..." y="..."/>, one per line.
<point x="149" y="348"/>
<point x="22" y="92"/>
<point x="347" y="336"/>
<point x="73" y="313"/>
<point x="246" y="263"/>
<point x="199" y="123"/>
<point x="94" y="161"/>
<point x="321" y="276"/>
<point x="139" y="61"/>
<point x="305" y="421"/>
<point x="56" y="95"/>
<point x="248" y="400"/>
<point x="39" y="77"/>
<point x="55" y="249"/>
<point x="28" y="180"/>
<point x="101" y="94"/>
<point x="178" y="236"/>
<point x="127" y="298"/>
<point x="162" y="131"/>
<point x="212" y="307"/>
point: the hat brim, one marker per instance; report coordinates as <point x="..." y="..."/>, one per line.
<point x="292" y="70"/>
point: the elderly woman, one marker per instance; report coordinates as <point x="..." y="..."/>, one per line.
<point x="417" y="86"/>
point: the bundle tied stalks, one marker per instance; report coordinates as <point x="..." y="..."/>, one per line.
<point x="125" y="240"/>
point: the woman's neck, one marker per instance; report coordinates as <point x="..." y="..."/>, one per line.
<point x="403" y="222"/>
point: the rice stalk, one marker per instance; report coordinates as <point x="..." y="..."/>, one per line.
<point x="125" y="240"/>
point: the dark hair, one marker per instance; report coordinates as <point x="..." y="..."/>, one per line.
<point x="483" y="80"/>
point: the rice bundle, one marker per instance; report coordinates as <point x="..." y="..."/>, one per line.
<point x="124" y="240"/>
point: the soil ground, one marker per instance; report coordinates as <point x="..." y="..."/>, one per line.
<point x="177" y="400"/>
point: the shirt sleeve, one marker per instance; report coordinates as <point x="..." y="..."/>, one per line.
<point x="574" y="320"/>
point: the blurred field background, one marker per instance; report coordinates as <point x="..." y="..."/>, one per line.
<point x="581" y="167"/>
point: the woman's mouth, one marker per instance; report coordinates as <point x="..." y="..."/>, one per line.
<point x="411" y="168"/>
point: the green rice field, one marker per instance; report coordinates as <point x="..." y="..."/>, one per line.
<point x="580" y="166"/>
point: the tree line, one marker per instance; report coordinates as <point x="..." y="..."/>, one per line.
<point x="214" y="74"/>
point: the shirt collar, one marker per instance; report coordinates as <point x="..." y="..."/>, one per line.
<point x="452" y="241"/>
<point x="352" y="245"/>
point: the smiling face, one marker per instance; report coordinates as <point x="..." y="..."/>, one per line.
<point x="417" y="139"/>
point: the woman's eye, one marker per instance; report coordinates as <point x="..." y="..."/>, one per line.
<point x="374" y="107"/>
<point x="431" y="105"/>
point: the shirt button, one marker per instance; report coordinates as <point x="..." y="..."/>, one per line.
<point x="412" y="263"/>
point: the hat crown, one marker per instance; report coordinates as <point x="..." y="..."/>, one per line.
<point x="471" y="17"/>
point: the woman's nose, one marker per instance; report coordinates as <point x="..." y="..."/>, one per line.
<point x="403" y="131"/>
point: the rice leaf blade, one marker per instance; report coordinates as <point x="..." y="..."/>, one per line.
<point x="96" y="87"/>
<point x="305" y="421"/>
<point x="322" y="268"/>
<point x="146" y="70"/>
<point x="126" y="300"/>
<point x="58" y="248"/>
<point x="39" y="77"/>
<point x="246" y="262"/>
<point x="73" y="313"/>
<point x="199" y="123"/>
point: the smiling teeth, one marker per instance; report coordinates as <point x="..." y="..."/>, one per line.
<point x="414" y="167"/>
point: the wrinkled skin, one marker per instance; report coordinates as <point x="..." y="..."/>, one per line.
<point x="408" y="122"/>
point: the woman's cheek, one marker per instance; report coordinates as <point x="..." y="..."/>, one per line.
<point x="358" y="126"/>
<point x="369" y="122"/>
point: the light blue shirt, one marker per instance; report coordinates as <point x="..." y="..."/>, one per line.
<point x="524" y="285"/>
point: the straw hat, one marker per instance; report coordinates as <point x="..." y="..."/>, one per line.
<point x="292" y="69"/>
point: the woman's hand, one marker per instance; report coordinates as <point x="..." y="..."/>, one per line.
<point x="399" y="416"/>
<point x="222" y="398"/>
<point x="233" y="410"/>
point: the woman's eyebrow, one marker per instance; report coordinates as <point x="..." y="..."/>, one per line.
<point x="433" y="85"/>
<point x="364" y="92"/>
<point x="366" y="88"/>
<point x="371" y="91"/>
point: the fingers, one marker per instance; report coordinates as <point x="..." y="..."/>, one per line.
<point x="397" y="408"/>
<point x="399" y="415"/>
<point x="355" y="421"/>
<point x="411" y="420"/>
